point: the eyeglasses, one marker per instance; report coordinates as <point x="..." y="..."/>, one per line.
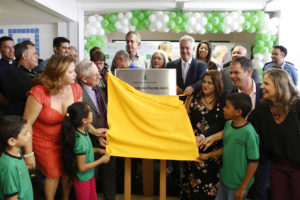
<point x="131" y="41"/>
<point x="157" y="58"/>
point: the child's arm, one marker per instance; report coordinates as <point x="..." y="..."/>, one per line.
<point x="240" y="192"/>
<point x="205" y="156"/>
<point x="208" y="141"/>
<point x="15" y="197"/>
<point x="99" y="151"/>
<point x="83" y="166"/>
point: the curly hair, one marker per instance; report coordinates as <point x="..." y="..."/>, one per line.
<point x="55" y="70"/>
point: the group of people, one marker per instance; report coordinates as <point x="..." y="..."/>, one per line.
<point x="55" y="110"/>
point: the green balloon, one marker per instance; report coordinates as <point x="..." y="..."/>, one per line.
<point x="140" y="16"/>
<point x="112" y="28"/>
<point x="252" y="29"/>
<point x="113" y="18"/>
<point x="147" y="12"/>
<point x="221" y="26"/>
<point x="259" y="43"/>
<point x="269" y="44"/>
<point x="259" y="26"/>
<point x="92" y="38"/>
<point x="104" y="23"/>
<point x="134" y="21"/>
<point x="185" y="16"/>
<point x="256" y="49"/>
<point x="258" y="36"/>
<point x="178" y="20"/>
<point x="273" y="37"/>
<point x="264" y="50"/>
<point x="266" y="37"/>
<point x="98" y="43"/>
<point x="260" y="14"/>
<point x="135" y="12"/>
<point x="208" y="27"/>
<point x="171" y="24"/>
<point x="246" y="25"/>
<point x="220" y="15"/>
<point x="214" y="30"/>
<point x="184" y="26"/>
<point x="176" y="29"/>
<point x="172" y="15"/>
<point x="146" y="23"/>
<point x="140" y="26"/>
<point x="215" y="20"/>
<point x="208" y="15"/>
<point x="254" y="19"/>
<point x="246" y="15"/>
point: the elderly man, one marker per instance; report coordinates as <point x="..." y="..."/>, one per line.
<point x="278" y="55"/>
<point x="189" y="70"/>
<point x="73" y="53"/>
<point x="7" y="50"/>
<point x="133" y="41"/>
<point x="122" y="61"/>
<point x="238" y="51"/>
<point x="17" y="80"/>
<point x="88" y="79"/>
<point x="60" y="47"/>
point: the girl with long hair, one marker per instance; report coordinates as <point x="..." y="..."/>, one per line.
<point x="78" y="152"/>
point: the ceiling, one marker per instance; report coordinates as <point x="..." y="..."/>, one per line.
<point x="33" y="12"/>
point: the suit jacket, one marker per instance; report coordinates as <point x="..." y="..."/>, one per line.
<point x="194" y="75"/>
<point x="259" y="93"/>
<point x="96" y="115"/>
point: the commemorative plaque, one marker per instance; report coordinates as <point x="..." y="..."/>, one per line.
<point x="152" y="81"/>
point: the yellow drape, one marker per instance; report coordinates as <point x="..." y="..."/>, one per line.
<point x="150" y="126"/>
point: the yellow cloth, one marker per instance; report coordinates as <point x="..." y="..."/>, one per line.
<point x="150" y="126"/>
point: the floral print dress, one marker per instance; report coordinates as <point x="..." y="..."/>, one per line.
<point x="200" y="178"/>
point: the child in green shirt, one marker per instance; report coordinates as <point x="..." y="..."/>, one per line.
<point x="240" y="152"/>
<point x="78" y="152"/>
<point x="15" y="181"/>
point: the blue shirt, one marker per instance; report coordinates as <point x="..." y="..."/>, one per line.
<point x="131" y="66"/>
<point x="286" y="67"/>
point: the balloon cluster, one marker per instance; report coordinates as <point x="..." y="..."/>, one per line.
<point x="233" y="22"/>
<point x="196" y="22"/>
<point x="178" y="21"/>
<point x="140" y="19"/>
<point x="94" y="41"/>
<point x="108" y="23"/>
<point x="94" y="26"/>
<point x="215" y="22"/>
<point x="159" y="21"/>
<point x="123" y="24"/>
<point x="254" y="21"/>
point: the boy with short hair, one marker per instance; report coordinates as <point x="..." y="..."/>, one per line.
<point x="240" y="152"/>
<point x="15" y="181"/>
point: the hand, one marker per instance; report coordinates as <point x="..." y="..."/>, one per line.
<point x="205" y="143"/>
<point x="199" y="138"/>
<point x="100" y="132"/>
<point x="203" y="156"/>
<point x="30" y="162"/>
<point x="178" y="90"/>
<point x="102" y="141"/>
<point x="105" y="158"/>
<point x="239" y="194"/>
<point x="188" y="91"/>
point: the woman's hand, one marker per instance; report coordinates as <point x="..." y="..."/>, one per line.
<point x="99" y="151"/>
<point x="203" y="156"/>
<point x="199" y="138"/>
<point x="30" y="162"/>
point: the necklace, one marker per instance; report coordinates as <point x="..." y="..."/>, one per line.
<point x="208" y="103"/>
<point x="276" y="114"/>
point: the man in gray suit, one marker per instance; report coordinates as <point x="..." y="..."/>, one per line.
<point x="94" y="96"/>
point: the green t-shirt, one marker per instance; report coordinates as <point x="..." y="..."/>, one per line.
<point x="83" y="145"/>
<point x="241" y="145"/>
<point x="14" y="177"/>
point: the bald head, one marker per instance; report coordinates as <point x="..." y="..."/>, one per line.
<point x="239" y="51"/>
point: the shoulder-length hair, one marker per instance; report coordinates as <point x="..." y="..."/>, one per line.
<point x="216" y="77"/>
<point x="55" y="70"/>
<point x="208" y="57"/>
<point x="286" y="91"/>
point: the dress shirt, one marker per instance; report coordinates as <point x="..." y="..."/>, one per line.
<point x="252" y="94"/>
<point x="139" y="61"/>
<point x="91" y="94"/>
<point x="185" y="66"/>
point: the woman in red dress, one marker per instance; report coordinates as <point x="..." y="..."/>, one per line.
<point x="55" y="89"/>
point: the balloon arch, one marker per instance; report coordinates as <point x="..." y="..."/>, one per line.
<point x="258" y="22"/>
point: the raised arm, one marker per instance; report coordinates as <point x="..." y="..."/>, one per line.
<point x="32" y="110"/>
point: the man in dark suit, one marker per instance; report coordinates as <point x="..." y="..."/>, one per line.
<point x="93" y="93"/>
<point x="240" y="74"/>
<point x="189" y="71"/>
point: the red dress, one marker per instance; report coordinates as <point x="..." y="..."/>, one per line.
<point x="46" y="139"/>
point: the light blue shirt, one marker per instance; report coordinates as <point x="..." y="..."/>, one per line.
<point x="286" y="67"/>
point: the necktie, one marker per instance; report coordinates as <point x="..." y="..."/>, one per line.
<point x="101" y="107"/>
<point x="184" y="73"/>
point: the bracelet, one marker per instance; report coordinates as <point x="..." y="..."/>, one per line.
<point x="28" y="155"/>
<point x="203" y="136"/>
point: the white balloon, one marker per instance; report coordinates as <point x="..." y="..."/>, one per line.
<point x="203" y="21"/>
<point x="266" y="17"/>
<point x="125" y="21"/>
<point x="118" y="25"/>
<point x="152" y="27"/>
<point x="234" y="15"/>
<point x="152" y="18"/>
<point x="241" y="19"/>
<point x="158" y="25"/>
<point x="120" y="16"/>
<point x="258" y="56"/>
<point x="165" y="18"/>
<point x="226" y="30"/>
<point x="192" y="21"/>
<point x="228" y="20"/>
<point x="196" y="28"/>
<point x="235" y="25"/>
<point x="267" y="58"/>
<point x="160" y="13"/>
<point x="132" y="28"/>
<point x="274" y="30"/>
<point x="189" y="30"/>
<point x="197" y="15"/>
<point x="88" y="26"/>
<point x="166" y="30"/>
<point x="239" y="29"/>
<point x="97" y="25"/>
<point x="101" y="31"/>
<point x="93" y="31"/>
<point x="92" y="19"/>
<point x="260" y="65"/>
<point x="128" y="15"/>
<point x="202" y="30"/>
<point x="99" y="18"/>
<point x="125" y="30"/>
